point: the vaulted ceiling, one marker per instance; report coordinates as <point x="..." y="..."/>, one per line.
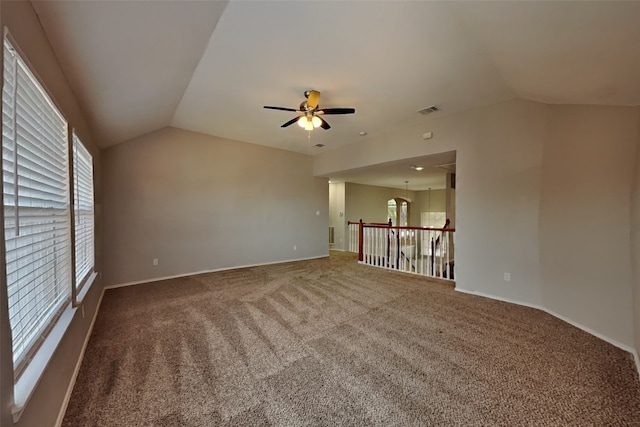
<point x="210" y="66"/>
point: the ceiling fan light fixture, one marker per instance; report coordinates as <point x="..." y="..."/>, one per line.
<point x="310" y="111"/>
<point x="308" y="125"/>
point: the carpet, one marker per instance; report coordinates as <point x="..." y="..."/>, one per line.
<point x="332" y="342"/>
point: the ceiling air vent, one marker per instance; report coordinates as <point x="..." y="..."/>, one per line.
<point x="428" y="110"/>
<point x="319" y="145"/>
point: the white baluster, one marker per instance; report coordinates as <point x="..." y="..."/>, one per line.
<point x="367" y="244"/>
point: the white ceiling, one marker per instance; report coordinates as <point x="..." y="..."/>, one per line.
<point x="210" y="66"/>
<point x="128" y="63"/>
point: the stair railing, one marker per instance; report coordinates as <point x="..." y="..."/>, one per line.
<point x="420" y="250"/>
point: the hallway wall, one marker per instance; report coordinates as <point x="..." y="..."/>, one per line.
<point x="525" y="171"/>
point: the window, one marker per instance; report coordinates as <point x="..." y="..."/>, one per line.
<point x="392" y="211"/>
<point x="38" y="225"/>
<point x="404" y="213"/>
<point x="398" y="217"/>
<point x="36" y="207"/>
<point x="83" y="211"/>
<point x="433" y="219"/>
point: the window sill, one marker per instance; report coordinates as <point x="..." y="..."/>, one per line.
<point x="26" y="385"/>
<point x="85" y="289"/>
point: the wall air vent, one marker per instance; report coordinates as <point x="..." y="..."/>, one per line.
<point x="428" y="110"/>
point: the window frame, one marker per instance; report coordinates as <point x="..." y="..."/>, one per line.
<point x="79" y="287"/>
<point x="25" y="384"/>
<point x="36" y="205"/>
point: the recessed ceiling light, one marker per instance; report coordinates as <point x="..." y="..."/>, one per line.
<point x="418" y="168"/>
<point x="363" y="133"/>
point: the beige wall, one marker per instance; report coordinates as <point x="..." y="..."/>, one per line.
<point x="635" y="244"/>
<point x="44" y="406"/>
<point x="369" y="203"/>
<point x="587" y="177"/>
<point x="499" y="153"/>
<point x="428" y="201"/>
<point x="199" y="203"/>
<point x="336" y="220"/>
<point x="519" y="164"/>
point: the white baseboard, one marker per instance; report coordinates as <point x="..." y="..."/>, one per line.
<point x="561" y="317"/>
<point x="158" y="279"/>
<point x="67" y="396"/>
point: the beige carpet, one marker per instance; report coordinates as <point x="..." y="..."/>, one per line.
<point x="332" y="342"/>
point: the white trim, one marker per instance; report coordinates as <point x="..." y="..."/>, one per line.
<point x="72" y="383"/>
<point x="25" y="386"/>
<point x="158" y="279"/>
<point x="397" y="270"/>
<point x="561" y="317"/>
<point x="84" y="290"/>
<point x="28" y="382"/>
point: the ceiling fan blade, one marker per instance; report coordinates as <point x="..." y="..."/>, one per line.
<point x="280" y="108"/>
<point x="324" y="125"/>
<point x="290" y="122"/>
<point x="336" y="111"/>
<point x="313" y="99"/>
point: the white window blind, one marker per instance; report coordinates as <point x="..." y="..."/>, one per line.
<point x="36" y="207"/>
<point x="83" y="210"/>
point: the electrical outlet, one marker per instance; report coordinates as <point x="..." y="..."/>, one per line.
<point x="507" y="277"/>
<point x="295" y="248"/>
<point x="155" y="261"/>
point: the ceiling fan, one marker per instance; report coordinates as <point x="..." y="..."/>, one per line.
<point x="310" y="113"/>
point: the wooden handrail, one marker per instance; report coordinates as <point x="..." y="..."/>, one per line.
<point x="367" y="223"/>
<point x="394" y="248"/>
<point x="399" y="227"/>
<point x="396" y="227"/>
